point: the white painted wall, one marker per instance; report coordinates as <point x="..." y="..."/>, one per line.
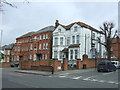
<point x="81" y="32"/>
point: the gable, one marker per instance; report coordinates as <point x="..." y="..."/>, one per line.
<point x="59" y="29"/>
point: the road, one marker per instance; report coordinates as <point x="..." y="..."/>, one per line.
<point x="91" y="79"/>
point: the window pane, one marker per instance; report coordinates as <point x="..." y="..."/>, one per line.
<point x="55" y="54"/>
<point x="61" y="41"/>
<point x="76" y="54"/>
<point x="68" y="41"/>
<point x="61" y="55"/>
<point x="77" y="39"/>
<point x="75" y="28"/>
<point x="71" y="54"/>
<point x="56" y="41"/>
<point x="73" y="39"/>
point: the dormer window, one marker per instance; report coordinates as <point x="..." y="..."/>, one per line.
<point x="75" y="28"/>
<point x="59" y="30"/>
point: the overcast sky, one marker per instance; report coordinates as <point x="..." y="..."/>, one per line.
<point x="36" y="15"/>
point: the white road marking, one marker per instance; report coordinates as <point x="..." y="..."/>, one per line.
<point x="107" y="73"/>
<point x="77" y="77"/>
<point x="111" y="82"/>
<point x="86" y="79"/>
<point x="89" y="78"/>
<point x="94" y="80"/>
<point x="62" y="76"/>
<point x="102" y="81"/>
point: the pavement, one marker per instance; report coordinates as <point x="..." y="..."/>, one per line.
<point x="45" y="73"/>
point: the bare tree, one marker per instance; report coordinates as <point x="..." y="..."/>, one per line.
<point x="6" y="2"/>
<point x="107" y="29"/>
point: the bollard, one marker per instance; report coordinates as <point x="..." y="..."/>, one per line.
<point x="52" y="70"/>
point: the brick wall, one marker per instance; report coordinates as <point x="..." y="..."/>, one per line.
<point x="5" y="64"/>
<point x="28" y="64"/>
<point x="89" y="62"/>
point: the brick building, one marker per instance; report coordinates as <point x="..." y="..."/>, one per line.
<point x="34" y="45"/>
<point x="8" y="53"/>
<point x="21" y="47"/>
<point x="40" y="48"/>
<point x="116" y="47"/>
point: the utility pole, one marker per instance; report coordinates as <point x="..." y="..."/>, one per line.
<point x="1" y="26"/>
<point x="85" y="43"/>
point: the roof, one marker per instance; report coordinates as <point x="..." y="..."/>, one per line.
<point x="65" y="50"/>
<point x="74" y="45"/>
<point x="10" y="46"/>
<point x="3" y="47"/>
<point x="25" y="35"/>
<point x="67" y="27"/>
<point x="46" y="29"/>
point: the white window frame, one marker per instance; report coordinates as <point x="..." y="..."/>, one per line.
<point x="18" y="48"/>
<point x="75" y="28"/>
<point x="60" y="55"/>
<point x="71" y="54"/>
<point x="31" y="47"/>
<point x="43" y="56"/>
<point x="46" y="36"/>
<point x="78" y="39"/>
<point x="30" y="57"/>
<point x="46" y="56"/>
<point x="40" y="46"/>
<point x="17" y="58"/>
<point x="35" y="57"/>
<point x="61" y="40"/>
<point x="73" y="39"/>
<point x="40" y="37"/>
<point x="93" y="35"/>
<point x="35" y="37"/>
<point x="59" y="30"/>
<point x="46" y="45"/>
<point x="8" y="59"/>
<point x="68" y="40"/>
<point x="76" y="54"/>
<point x="55" y="54"/>
<point x="56" y="41"/>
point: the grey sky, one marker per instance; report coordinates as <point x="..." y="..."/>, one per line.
<point x="34" y="16"/>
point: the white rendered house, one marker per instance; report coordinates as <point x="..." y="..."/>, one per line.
<point x="76" y="39"/>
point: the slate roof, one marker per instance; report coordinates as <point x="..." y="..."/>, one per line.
<point x="10" y="46"/>
<point x="67" y="27"/>
<point x="65" y="50"/>
<point x="25" y="35"/>
<point x="46" y="29"/>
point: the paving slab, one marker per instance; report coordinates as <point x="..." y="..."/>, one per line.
<point x="45" y="73"/>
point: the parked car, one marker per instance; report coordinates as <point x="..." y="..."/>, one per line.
<point x="116" y="63"/>
<point x="105" y="66"/>
<point x="14" y="64"/>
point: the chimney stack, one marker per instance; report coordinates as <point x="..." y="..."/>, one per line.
<point x="56" y="23"/>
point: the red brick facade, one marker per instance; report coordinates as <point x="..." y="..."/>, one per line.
<point x="34" y="45"/>
<point x="116" y="47"/>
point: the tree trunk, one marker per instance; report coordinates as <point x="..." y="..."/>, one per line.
<point x="108" y="47"/>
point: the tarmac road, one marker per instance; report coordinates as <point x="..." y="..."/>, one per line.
<point x="89" y="79"/>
